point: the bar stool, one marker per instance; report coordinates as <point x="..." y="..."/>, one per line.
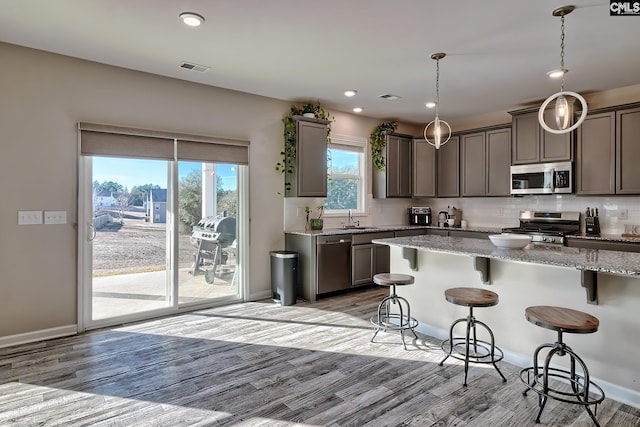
<point x="394" y="312"/>
<point x="469" y="348"/>
<point x="561" y="320"/>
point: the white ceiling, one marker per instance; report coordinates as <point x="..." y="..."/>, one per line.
<point x="498" y="51"/>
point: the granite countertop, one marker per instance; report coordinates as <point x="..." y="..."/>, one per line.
<point x="606" y="238"/>
<point x="381" y="228"/>
<point x="598" y="260"/>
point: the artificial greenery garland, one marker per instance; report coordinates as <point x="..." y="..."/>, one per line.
<point x="287" y="164"/>
<point x="378" y="143"/>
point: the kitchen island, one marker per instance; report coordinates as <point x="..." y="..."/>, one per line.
<point x="535" y="275"/>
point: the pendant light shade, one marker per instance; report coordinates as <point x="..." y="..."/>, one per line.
<point x="440" y="135"/>
<point x="564" y="100"/>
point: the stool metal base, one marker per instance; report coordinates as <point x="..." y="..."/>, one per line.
<point x="389" y="320"/>
<point x="579" y="389"/>
<point x="470" y="349"/>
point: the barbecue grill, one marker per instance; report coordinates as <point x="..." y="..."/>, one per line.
<point x="211" y="236"/>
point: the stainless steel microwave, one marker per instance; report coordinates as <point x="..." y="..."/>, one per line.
<point x="542" y="178"/>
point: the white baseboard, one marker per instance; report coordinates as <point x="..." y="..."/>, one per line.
<point x="41" y="335"/>
<point x="611" y="391"/>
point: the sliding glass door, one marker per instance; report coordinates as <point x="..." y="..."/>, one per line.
<point x="129" y="248"/>
<point x="162" y="224"/>
<point x="207" y="232"/>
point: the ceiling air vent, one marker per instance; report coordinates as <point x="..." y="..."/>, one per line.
<point x="389" y="97"/>
<point x="194" y="67"/>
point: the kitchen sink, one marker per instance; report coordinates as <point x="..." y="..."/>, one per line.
<point x="356" y="227"/>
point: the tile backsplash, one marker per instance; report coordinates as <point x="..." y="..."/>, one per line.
<point x="499" y="212"/>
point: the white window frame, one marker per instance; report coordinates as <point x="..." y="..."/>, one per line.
<point x="359" y="145"/>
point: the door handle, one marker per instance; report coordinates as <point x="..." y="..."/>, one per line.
<point x="92" y="232"/>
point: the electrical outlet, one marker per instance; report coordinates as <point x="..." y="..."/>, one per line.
<point x="623" y="214"/>
<point x="29" y="217"/>
<point x="55" y="217"/>
<point x="500" y="212"/>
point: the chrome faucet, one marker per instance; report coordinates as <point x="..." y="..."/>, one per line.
<point x="350" y="217"/>
<point x="350" y="223"/>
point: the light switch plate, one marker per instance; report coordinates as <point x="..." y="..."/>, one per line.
<point x="29" y="217"/>
<point x="55" y="217"/>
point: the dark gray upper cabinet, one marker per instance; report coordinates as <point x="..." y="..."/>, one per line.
<point x="485" y="160"/>
<point x="473" y="164"/>
<point x="423" y="169"/>
<point x="310" y="174"/>
<point x="532" y="144"/>
<point x="628" y="151"/>
<point x="395" y="179"/>
<point x="596" y="155"/>
<point x="499" y="162"/>
<point x="448" y="169"/>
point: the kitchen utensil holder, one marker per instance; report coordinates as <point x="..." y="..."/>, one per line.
<point x="592" y="225"/>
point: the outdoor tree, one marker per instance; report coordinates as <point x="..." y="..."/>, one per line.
<point x="139" y="193"/>
<point x="109" y="186"/>
<point x="190" y="200"/>
<point x="123" y="201"/>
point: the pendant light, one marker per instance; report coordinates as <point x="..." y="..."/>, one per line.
<point x="563" y="111"/>
<point x="438" y="125"/>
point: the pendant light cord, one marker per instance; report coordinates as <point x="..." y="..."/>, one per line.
<point x="437" y="85"/>
<point x="562" y="52"/>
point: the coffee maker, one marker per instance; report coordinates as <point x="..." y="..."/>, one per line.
<point x="454" y="214"/>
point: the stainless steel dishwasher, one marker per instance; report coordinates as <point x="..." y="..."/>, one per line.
<point x="333" y="263"/>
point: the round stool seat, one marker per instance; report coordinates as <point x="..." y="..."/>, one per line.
<point x="390" y="279"/>
<point x="471" y="297"/>
<point x="562" y="319"/>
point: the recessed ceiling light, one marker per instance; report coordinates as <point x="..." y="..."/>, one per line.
<point x="556" y="74"/>
<point x="430" y="104"/>
<point x="350" y="93"/>
<point x="357" y="109"/>
<point x="191" y="19"/>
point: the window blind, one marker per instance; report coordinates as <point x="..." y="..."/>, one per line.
<point x="116" y="141"/>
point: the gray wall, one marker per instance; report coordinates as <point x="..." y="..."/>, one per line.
<point x="43" y="96"/>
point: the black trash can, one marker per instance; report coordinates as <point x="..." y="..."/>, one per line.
<point x="284" y="276"/>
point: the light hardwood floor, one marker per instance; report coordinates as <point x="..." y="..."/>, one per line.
<point x="259" y="364"/>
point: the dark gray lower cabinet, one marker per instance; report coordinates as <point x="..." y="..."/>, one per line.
<point x="368" y="259"/>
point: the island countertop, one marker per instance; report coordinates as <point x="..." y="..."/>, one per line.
<point x="596" y="260"/>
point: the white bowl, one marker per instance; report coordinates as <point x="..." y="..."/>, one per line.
<point x="517" y="241"/>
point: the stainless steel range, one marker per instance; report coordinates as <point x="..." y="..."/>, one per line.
<point x="547" y="227"/>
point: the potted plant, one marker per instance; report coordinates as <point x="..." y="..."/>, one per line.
<point x="314" y="223"/>
<point x="287" y="162"/>
<point x="379" y="142"/>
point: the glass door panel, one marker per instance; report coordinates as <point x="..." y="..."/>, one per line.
<point x="130" y="254"/>
<point x="207" y="232"/>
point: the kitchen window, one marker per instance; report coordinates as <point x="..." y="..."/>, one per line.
<point x="345" y="175"/>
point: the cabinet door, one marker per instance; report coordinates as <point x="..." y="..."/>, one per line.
<point x="628" y="151"/>
<point x="398" y="166"/>
<point x="448" y="158"/>
<point x="472" y="173"/>
<point x="381" y="257"/>
<point x="423" y="169"/>
<point x="311" y="158"/>
<point x="595" y="155"/>
<point x="499" y="162"/>
<point x="361" y="264"/>
<point x="554" y="147"/>
<point x="526" y="139"/>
